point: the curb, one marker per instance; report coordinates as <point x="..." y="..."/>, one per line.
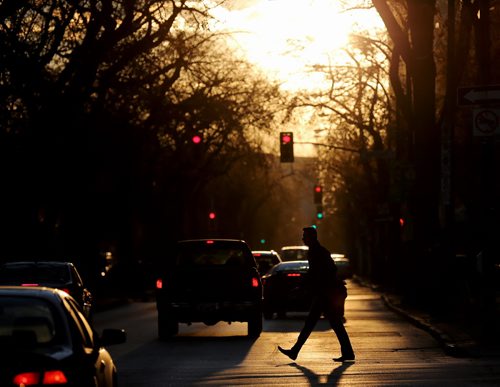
<point x="449" y="346"/>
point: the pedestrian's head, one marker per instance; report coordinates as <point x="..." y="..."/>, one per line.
<point x="309" y="235"/>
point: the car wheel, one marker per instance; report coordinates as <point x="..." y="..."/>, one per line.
<point x="255" y="325"/>
<point x="167" y="327"/>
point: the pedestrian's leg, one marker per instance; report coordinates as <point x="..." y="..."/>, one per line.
<point x="334" y="315"/>
<point x="310" y="323"/>
<point x="311" y="320"/>
<point x="343" y="337"/>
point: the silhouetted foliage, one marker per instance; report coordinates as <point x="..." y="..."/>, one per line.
<point x="98" y="104"/>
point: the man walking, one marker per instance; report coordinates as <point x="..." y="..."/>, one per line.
<point x="328" y="297"/>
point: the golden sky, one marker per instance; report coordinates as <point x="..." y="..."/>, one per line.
<point x="285" y="38"/>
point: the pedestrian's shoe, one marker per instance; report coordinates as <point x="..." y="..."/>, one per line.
<point x="345" y="358"/>
<point x="288" y="352"/>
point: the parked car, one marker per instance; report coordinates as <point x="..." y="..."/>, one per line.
<point x="266" y="259"/>
<point x="285" y="289"/>
<point x="209" y="280"/>
<point x="293" y="253"/>
<point x="344" y="268"/>
<point x="46" y="340"/>
<point x="53" y="274"/>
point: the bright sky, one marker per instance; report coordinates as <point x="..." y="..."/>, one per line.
<point x="286" y="37"/>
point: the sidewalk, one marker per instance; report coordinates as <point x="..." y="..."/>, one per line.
<point x="456" y="337"/>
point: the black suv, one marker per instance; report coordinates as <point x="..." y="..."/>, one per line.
<point x="209" y="280"/>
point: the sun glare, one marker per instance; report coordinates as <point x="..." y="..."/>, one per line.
<point x="287" y="37"/>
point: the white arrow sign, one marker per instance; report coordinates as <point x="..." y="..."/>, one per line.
<point x="476" y="96"/>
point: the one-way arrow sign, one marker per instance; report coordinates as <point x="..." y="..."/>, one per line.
<point x="478" y="95"/>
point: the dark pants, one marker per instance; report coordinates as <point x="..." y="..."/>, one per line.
<point x="333" y="309"/>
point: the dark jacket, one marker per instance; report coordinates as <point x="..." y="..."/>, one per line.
<point x="322" y="269"/>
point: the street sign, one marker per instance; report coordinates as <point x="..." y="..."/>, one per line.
<point x="486" y="122"/>
<point x="478" y="95"/>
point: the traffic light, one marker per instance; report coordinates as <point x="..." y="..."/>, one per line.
<point x="286" y="147"/>
<point x="196" y="139"/>
<point x="212" y="221"/>
<point x="318" y="194"/>
<point x="319" y="212"/>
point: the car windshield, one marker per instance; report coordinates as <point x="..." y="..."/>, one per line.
<point x="213" y="254"/>
<point x="35" y="273"/>
<point x="27" y="322"/>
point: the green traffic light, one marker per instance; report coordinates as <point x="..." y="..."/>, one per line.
<point x="319" y="215"/>
<point x="262" y="241"/>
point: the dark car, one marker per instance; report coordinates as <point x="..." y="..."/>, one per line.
<point x="46" y="340"/>
<point x="285" y="289"/>
<point x="344" y="268"/>
<point x="53" y="274"/>
<point x="294" y="253"/>
<point x="209" y="280"/>
<point x="266" y="259"/>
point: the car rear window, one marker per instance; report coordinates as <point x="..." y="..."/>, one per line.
<point x="28" y="322"/>
<point x="292" y="266"/>
<point x="213" y="253"/>
<point x="34" y="274"/>
<point x="294" y="254"/>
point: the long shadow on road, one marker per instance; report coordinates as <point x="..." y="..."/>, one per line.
<point x="331" y="379"/>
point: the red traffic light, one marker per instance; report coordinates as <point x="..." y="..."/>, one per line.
<point x="196" y="139"/>
<point x="318" y="194"/>
<point x="286" y="147"/>
<point x="286" y="138"/>
<point x="211" y="215"/>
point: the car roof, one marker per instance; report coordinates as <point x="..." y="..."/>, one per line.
<point x="264" y="252"/>
<point x="295" y="248"/>
<point x="214" y="243"/>
<point x="35" y="263"/>
<point x="51" y="294"/>
<point x="212" y="239"/>
<point x="336" y="255"/>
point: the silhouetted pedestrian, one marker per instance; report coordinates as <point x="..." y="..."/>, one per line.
<point x="329" y="295"/>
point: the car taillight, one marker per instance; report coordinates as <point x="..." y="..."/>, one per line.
<point x="66" y="290"/>
<point x="159" y="283"/>
<point x="54" y="377"/>
<point x="26" y="379"/>
<point x="255" y="282"/>
<point x="29" y="284"/>
<point x="293" y="275"/>
<point x="33" y="378"/>
<point x="210" y="242"/>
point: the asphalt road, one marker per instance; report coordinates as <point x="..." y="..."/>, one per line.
<point x="389" y="351"/>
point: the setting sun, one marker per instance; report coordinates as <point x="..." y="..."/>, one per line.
<point x="286" y="37"/>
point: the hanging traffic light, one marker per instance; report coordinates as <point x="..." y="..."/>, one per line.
<point x="286" y="147"/>
<point x="212" y="215"/>
<point x="318" y="194"/>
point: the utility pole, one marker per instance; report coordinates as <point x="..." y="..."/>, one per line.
<point x="488" y="173"/>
